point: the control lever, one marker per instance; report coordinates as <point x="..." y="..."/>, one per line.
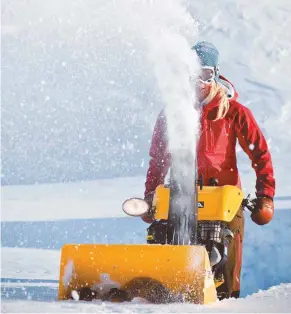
<point x="248" y="203"/>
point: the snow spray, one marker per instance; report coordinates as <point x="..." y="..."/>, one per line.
<point x="169" y="32"/>
<point x="116" y="58"/>
<point x="174" y="63"/>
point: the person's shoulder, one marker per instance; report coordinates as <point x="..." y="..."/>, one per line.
<point x="161" y="120"/>
<point x="236" y="107"/>
<point x="162" y="116"/>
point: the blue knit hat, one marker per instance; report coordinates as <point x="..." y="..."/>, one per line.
<point x="208" y="55"/>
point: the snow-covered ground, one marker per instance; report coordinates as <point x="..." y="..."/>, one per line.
<point x="83" y="106"/>
<point x="31" y="247"/>
<point x="275" y="300"/>
<point x="38" y="291"/>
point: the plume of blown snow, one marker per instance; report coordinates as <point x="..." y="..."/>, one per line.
<point x="170" y="41"/>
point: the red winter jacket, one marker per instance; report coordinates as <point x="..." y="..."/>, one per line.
<point x="216" y="147"/>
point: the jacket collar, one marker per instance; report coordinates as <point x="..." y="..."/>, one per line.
<point x="229" y="89"/>
<point x="212" y="104"/>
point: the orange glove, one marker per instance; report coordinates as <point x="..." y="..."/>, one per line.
<point x="149" y="217"/>
<point x="263" y="210"/>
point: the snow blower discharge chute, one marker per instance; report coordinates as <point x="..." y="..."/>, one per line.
<point x="183" y="260"/>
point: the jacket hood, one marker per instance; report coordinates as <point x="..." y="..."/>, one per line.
<point x="229" y="88"/>
<point x="210" y="109"/>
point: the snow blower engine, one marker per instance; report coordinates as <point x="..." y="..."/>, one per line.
<point x="216" y="207"/>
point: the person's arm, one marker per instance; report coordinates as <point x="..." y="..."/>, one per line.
<point x="160" y="158"/>
<point x="253" y="142"/>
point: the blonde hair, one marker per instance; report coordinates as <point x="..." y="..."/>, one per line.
<point x="223" y="104"/>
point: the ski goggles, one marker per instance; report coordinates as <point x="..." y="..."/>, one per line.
<point x="206" y="75"/>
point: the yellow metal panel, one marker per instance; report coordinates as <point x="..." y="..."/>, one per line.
<point x="181" y="270"/>
<point x="161" y="202"/>
<point x="219" y="203"/>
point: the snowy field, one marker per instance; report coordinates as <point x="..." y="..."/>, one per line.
<point x="83" y="107"/>
<point x="275" y="300"/>
<point x="31" y="248"/>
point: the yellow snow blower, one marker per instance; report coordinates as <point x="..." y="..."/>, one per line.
<point x="182" y="261"/>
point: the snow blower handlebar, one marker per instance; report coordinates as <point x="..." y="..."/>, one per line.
<point x="249" y="203"/>
<point x="137" y="207"/>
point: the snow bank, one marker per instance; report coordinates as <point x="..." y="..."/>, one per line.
<point x="78" y="200"/>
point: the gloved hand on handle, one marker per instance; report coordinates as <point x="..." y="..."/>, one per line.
<point x="149" y="216"/>
<point x="263" y="210"/>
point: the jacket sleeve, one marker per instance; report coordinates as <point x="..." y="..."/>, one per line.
<point x="253" y="142"/>
<point x="160" y="158"/>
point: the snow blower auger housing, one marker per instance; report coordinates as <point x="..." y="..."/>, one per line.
<point x="158" y="273"/>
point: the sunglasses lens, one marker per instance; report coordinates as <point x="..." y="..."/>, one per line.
<point x="206" y="75"/>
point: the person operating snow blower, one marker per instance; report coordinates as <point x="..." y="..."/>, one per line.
<point x="224" y="121"/>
